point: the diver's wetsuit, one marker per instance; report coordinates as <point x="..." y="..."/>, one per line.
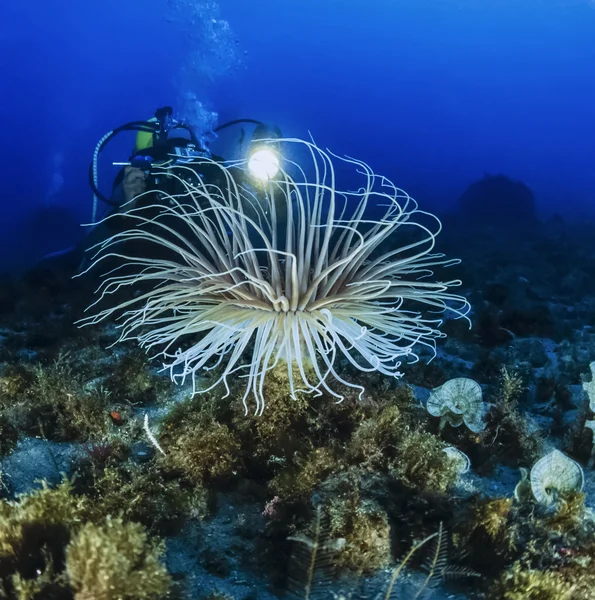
<point x="164" y="185"/>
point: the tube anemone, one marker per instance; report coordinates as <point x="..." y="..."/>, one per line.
<point x="298" y="273"/>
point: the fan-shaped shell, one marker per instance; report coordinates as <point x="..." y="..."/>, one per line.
<point x="555" y="473"/>
<point x="460" y="459"/>
<point x="458" y="399"/>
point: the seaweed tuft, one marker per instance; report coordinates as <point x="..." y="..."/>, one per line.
<point x="115" y="560"/>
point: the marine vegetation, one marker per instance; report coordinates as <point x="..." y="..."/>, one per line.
<point x="115" y="560"/>
<point x="317" y="553"/>
<point x="50" y="547"/>
<point x="303" y="274"/>
<point x="394" y="464"/>
<point x="513" y="441"/>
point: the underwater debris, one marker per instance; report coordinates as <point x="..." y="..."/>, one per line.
<point x="555" y="474"/>
<point x="458" y="401"/>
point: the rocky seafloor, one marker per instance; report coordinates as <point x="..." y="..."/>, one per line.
<point x="92" y="507"/>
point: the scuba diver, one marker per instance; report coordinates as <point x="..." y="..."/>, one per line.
<point x="161" y="143"/>
<point x="166" y="159"/>
<point x="164" y="142"/>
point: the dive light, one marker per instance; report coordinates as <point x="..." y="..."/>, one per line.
<point x="264" y="160"/>
<point x="264" y="164"/>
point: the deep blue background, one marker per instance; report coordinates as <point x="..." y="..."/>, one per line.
<point x="431" y="93"/>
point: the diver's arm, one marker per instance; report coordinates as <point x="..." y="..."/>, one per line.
<point x="129" y="183"/>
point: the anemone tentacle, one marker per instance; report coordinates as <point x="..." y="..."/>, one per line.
<point x="235" y="285"/>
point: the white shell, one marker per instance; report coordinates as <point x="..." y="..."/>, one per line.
<point x="555" y="473"/>
<point x="461" y="460"/>
<point x="459" y="400"/>
<point x="589" y="387"/>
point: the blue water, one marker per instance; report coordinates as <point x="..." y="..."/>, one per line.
<point x="432" y="93"/>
